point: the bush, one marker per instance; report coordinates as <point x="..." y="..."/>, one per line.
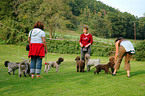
<point x="12" y="32"/>
<point x="73" y="47"/>
<point x="140" y="51"/>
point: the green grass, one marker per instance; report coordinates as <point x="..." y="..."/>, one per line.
<point x="67" y="82"/>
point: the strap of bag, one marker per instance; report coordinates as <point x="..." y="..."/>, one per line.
<point x="31" y="32"/>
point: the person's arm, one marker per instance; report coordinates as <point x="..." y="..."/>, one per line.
<point x="80" y="41"/>
<point x="44" y="42"/>
<point x="116" y="53"/>
<point x="29" y="39"/>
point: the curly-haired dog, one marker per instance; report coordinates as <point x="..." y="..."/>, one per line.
<point x="91" y="62"/>
<point x="80" y="64"/>
<point x="54" y="64"/>
<point x="112" y="59"/>
<point x="105" y="67"/>
<point x="24" y="67"/>
<point x="12" y="66"/>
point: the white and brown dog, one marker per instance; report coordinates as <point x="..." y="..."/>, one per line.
<point x="90" y="62"/>
<point x="12" y="66"/>
<point x="54" y="64"/>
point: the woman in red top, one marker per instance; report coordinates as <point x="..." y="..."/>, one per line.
<point x="86" y="40"/>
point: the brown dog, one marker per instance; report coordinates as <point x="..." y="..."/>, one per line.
<point x="80" y="64"/>
<point x="106" y="67"/>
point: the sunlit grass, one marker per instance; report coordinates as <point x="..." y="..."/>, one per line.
<point x="67" y="82"/>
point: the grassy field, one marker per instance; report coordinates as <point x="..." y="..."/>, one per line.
<point x="67" y="82"/>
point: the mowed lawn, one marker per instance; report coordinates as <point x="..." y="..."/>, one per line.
<point x="67" y="82"/>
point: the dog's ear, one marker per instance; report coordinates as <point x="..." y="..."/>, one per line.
<point x="78" y="58"/>
<point x="6" y="63"/>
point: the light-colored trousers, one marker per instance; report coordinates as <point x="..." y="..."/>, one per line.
<point x="122" y="52"/>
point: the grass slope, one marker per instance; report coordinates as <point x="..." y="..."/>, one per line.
<point x="67" y="82"/>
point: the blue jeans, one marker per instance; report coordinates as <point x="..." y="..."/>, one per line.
<point x="36" y="64"/>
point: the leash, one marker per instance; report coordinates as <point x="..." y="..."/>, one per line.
<point x="46" y="58"/>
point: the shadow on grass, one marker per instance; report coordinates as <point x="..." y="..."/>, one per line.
<point x="138" y="72"/>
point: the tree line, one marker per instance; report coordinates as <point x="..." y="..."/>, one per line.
<point x="17" y="17"/>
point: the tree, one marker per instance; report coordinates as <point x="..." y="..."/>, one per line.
<point x="143" y="14"/>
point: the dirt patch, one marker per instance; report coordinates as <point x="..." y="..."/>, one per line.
<point x="142" y="84"/>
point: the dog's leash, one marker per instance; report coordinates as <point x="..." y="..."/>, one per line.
<point x="45" y="58"/>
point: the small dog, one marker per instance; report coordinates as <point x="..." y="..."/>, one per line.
<point x="80" y="64"/>
<point x="106" y="67"/>
<point x="112" y="59"/>
<point x="24" y="67"/>
<point x="54" y="64"/>
<point x="91" y="62"/>
<point x="12" y="66"/>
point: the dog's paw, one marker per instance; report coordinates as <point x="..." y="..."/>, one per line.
<point x="20" y="75"/>
<point x="9" y="73"/>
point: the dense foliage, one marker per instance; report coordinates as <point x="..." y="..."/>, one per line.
<point x="73" y="47"/>
<point x="140" y="51"/>
<point x="17" y="17"/>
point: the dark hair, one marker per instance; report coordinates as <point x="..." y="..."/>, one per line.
<point x="39" y="24"/>
<point x="86" y="27"/>
<point x="119" y="38"/>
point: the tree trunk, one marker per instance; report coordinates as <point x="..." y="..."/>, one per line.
<point x="50" y="34"/>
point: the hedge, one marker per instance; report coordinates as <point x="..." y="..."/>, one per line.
<point x="140" y="51"/>
<point x="73" y="47"/>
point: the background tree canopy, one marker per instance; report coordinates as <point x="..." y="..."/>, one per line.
<point x="17" y="17"/>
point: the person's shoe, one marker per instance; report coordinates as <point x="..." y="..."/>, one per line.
<point x="38" y="76"/>
<point x="32" y="76"/>
<point x="113" y="74"/>
<point x="128" y="76"/>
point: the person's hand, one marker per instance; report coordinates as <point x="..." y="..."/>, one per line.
<point x="86" y="46"/>
<point x="81" y="45"/>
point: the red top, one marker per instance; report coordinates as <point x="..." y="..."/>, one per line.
<point x="36" y="49"/>
<point x="86" y="39"/>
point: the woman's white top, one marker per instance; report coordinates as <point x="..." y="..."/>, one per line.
<point x="128" y="46"/>
<point x="36" y="35"/>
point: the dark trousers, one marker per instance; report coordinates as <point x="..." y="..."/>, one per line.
<point x="84" y="52"/>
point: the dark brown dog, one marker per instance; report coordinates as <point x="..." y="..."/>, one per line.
<point x="112" y="67"/>
<point x="80" y="64"/>
<point x="106" y="67"/>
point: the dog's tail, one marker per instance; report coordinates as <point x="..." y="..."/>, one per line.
<point x="6" y="63"/>
<point x="99" y="59"/>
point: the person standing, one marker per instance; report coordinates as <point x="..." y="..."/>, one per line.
<point x="123" y="48"/>
<point x="38" y="48"/>
<point x="86" y="40"/>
